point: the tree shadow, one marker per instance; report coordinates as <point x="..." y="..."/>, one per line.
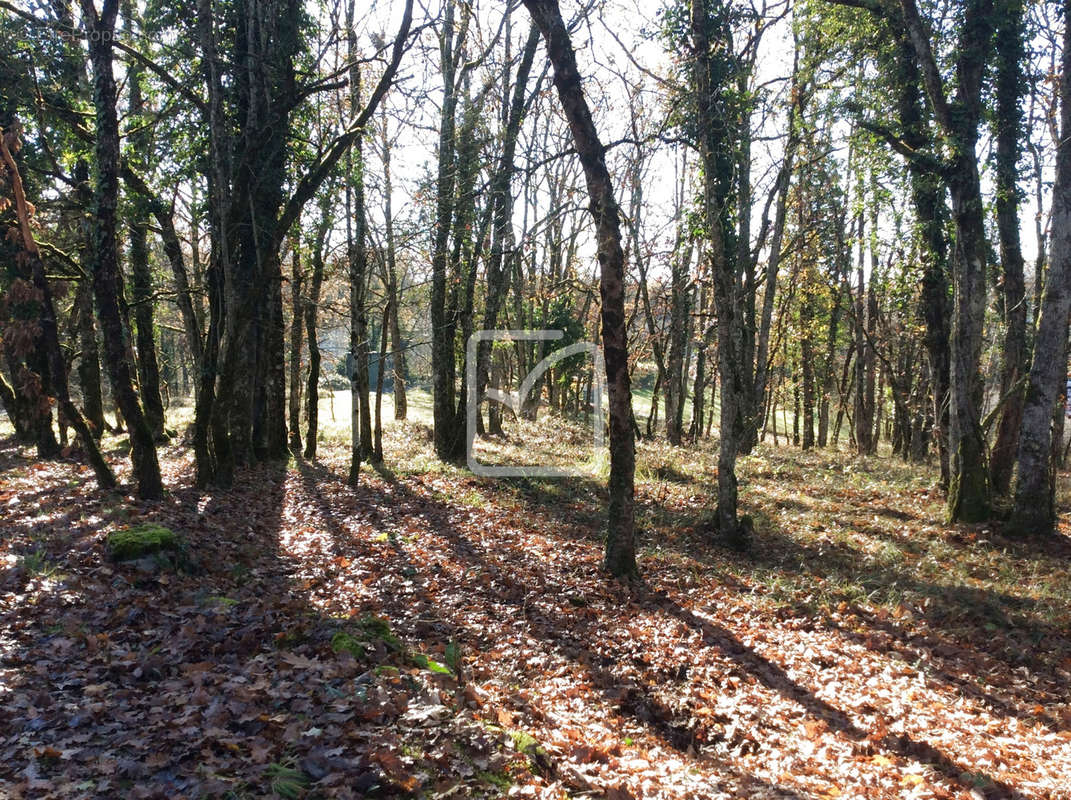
<point x="500" y="589"/>
<point x="1001" y="629"/>
<point x="134" y="680"/>
<point x="966" y="630"/>
<point x="573" y="642"/>
<point x="969" y="667"/>
<point x="239" y="654"/>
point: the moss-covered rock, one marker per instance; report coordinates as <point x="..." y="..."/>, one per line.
<point x="142" y="540"/>
<point x="367" y="633"/>
<point x="343" y="642"/>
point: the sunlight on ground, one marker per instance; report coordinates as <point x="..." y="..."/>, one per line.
<point x="862" y="649"/>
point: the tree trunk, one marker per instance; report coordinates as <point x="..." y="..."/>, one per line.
<point x="397" y="358"/>
<point x="620" y="540"/>
<point x="1034" y="511"/>
<point x="357" y="255"/>
<point x="273" y="439"/>
<point x="807" y="365"/>
<point x="55" y="370"/>
<point x="715" y="150"/>
<point x="377" y="450"/>
<point x="695" y="428"/>
<point x="89" y="357"/>
<point x="173" y="250"/>
<point x="1009" y="52"/>
<point x="795" y="405"/>
<point x="106" y="252"/>
<point x="312" y="309"/>
<point x="864" y="365"/>
<point x="296" y="323"/>
<point x="444" y="411"/>
<point x="968" y="495"/>
<point x="140" y="273"/>
<point x="678" y="325"/>
<point x="829" y="379"/>
<point x="931" y="212"/>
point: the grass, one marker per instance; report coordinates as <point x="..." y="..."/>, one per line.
<point x="812" y="541"/>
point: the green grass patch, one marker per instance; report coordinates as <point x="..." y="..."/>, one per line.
<point x="287" y="781"/>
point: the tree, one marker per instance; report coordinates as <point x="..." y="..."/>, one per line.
<point x="712" y="71"/>
<point x="958" y="117"/>
<point x="448" y="440"/>
<point x="957" y="112"/>
<point x="297" y="321"/>
<point x="248" y="113"/>
<point x="312" y="310"/>
<point x="1009" y="50"/>
<point x="57" y="369"/>
<point x="357" y="258"/>
<point x="390" y="281"/>
<point x="1034" y="511"/>
<point x="141" y="294"/>
<point x="101" y="28"/>
<point x="620" y="557"/>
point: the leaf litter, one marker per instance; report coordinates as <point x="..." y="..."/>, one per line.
<point x="438" y="635"/>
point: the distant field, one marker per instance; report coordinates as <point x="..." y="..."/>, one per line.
<point x="334" y="412"/>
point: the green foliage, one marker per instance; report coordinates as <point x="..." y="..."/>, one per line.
<point x="36" y="563"/>
<point x="453" y="657"/>
<point x="727" y="100"/>
<point x="524" y="742"/>
<point x="561" y="315"/>
<point x="497" y="779"/>
<point x="378" y="628"/>
<point x="365" y="632"/>
<point x="286" y="781"/>
<point x="423" y="662"/>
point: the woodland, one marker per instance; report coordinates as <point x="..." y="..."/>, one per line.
<point x="302" y="495"/>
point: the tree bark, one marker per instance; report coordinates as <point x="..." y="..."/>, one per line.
<point x="89" y="358"/>
<point x="1034" y="511"/>
<point x="106" y="252"/>
<point x="1009" y="52"/>
<point x="442" y="321"/>
<point x="969" y="490"/>
<point x="377" y="436"/>
<point x="397" y="358"/>
<point x="931" y="213"/>
<point x="620" y="557"/>
<point x="312" y="309"/>
<point x="864" y="362"/>
<point x="148" y="365"/>
<point x="807" y="368"/>
<point x="56" y="369"/>
<point x="715" y="145"/>
<point x="297" y="312"/>
<point x="173" y="250"/>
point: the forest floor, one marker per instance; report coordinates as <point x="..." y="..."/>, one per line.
<point x="442" y="635"/>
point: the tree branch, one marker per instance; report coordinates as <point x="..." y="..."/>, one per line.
<point x="931" y="74"/>
<point x="316" y="175"/>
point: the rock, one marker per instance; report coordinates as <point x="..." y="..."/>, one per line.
<point x="147" y="545"/>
